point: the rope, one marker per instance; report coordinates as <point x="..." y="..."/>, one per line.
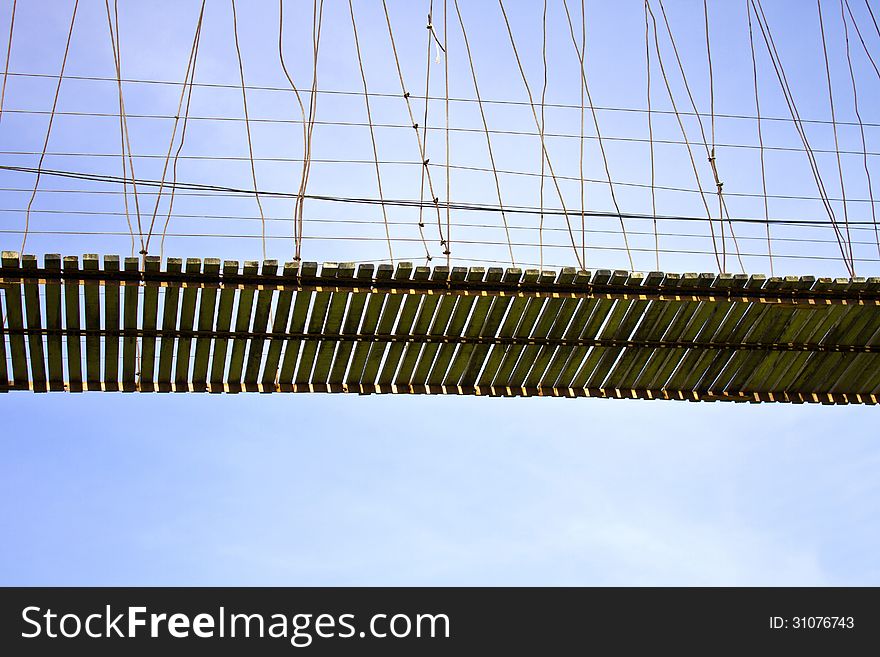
<point x="247" y="123"/>
<point x="372" y="132"/>
<point x="856" y="103"/>
<point x="581" y="141"/>
<point x="302" y="111"/>
<point x="486" y="131"/>
<point x="540" y="132"/>
<point x="541" y="152"/>
<point x="125" y="141"/>
<point x="650" y="138"/>
<point x="712" y="162"/>
<point x="581" y="56"/>
<point x="186" y="117"/>
<point x="190" y="71"/>
<point x="760" y="135"/>
<point x="27" y="220"/>
<point x="786" y="90"/>
<point x="8" y="54"/>
<point x="423" y="159"/>
<point x="448" y="251"/>
<point x="834" y="126"/>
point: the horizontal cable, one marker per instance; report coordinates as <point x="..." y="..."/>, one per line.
<point x="488" y="101"/>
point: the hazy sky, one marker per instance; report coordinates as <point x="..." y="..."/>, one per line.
<point x="299" y="489"/>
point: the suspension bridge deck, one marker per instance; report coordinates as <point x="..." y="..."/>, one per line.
<point x="207" y="326"/>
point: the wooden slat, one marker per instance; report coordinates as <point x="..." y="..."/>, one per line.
<point x="186" y="323"/>
<point x="574" y="356"/>
<point x="54" y="342"/>
<point x="301" y="302"/>
<point x="72" y="323"/>
<point x="424" y="319"/>
<point x="149" y="322"/>
<point x="242" y="324"/>
<point x="332" y="325"/>
<point x="477" y="359"/>
<point x="456" y="325"/>
<point x="170" y="311"/>
<point x="279" y="325"/>
<point x="350" y="327"/>
<point x="261" y="321"/>
<point x="476" y="327"/>
<point x="438" y="326"/>
<point x="130" y="300"/>
<point x="317" y="317"/>
<point x="550" y="316"/>
<point x="514" y="315"/>
<point x="92" y="298"/>
<point x="111" y="323"/>
<point x="33" y="314"/>
<point x="4" y="368"/>
<point x="856" y="368"/>
<point x="404" y="327"/>
<point x="224" y="321"/>
<point x="14" y="317"/>
<point x="368" y="327"/>
<point x="387" y="320"/>
<point x="207" y="308"/>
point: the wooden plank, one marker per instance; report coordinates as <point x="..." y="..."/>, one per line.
<point x="54" y="342"/>
<point x="150" y="320"/>
<point x="424" y="320"/>
<point x="131" y="298"/>
<point x="207" y="308"/>
<point x="186" y="323"/>
<point x="574" y="356"/>
<point x="691" y="367"/>
<point x="404" y="327"/>
<point x="788" y="367"/>
<point x="224" y="321"/>
<point x="368" y="327"/>
<point x="72" y="322"/>
<point x="609" y="355"/>
<point x="350" y="326"/>
<point x="242" y="324"/>
<point x="857" y="368"/>
<point x="14" y="316"/>
<point x="454" y="328"/>
<point x="438" y="326"/>
<point x="654" y="322"/>
<point x="387" y="320"/>
<point x="36" y="353"/>
<point x="550" y="316"/>
<point x="301" y="302"/>
<point x="4" y="368"/>
<point x="92" y="301"/>
<point x="279" y="325"/>
<point x="477" y="359"/>
<point x="513" y="318"/>
<point x="318" y="315"/>
<point x="475" y="328"/>
<point x="111" y="323"/>
<point x="261" y="321"/>
<point x="170" y="311"/>
<point x="332" y="325"/>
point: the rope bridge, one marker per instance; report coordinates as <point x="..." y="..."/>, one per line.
<point x="211" y="326"/>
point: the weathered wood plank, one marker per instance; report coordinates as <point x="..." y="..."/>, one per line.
<point x="261" y="321"/>
<point x="317" y="317"/>
<point x="207" y="308"/>
<point x="301" y="302"/>
<point x="150" y="320"/>
<point x="350" y="327"/>
<point x="368" y="327"/>
<point x="186" y="323"/>
<point x="224" y="321"/>
<point x="92" y="299"/>
<point x="332" y="325"/>
<point x="279" y="325"/>
<point x="72" y="322"/>
<point x="33" y="314"/>
<point x="454" y="328"/>
<point x="54" y="342"/>
<point x="131" y="298"/>
<point x="242" y="325"/>
<point x="404" y="327"/>
<point x="170" y="310"/>
<point x="424" y="320"/>
<point x="14" y="316"/>
<point x="439" y="323"/>
<point x="387" y="320"/>
<point x="476" y="327"/>
<point x="111" y="323"/>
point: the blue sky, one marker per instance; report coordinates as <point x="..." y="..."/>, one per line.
<point x="324" y="490"/>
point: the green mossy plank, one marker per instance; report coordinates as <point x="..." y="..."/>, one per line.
<point x="130" y="299"/>
<point x="350" y="326"/>
<point x="170" y="310"/>
<point x="368" y="327"/>
<point x="187" y="323"/>
<point x="207" y="307"/>
<point x="317" y="318"/>
<point x="14" y="316"/>
<point x="111" y="324"/>
<point x="54" y="341"/>
<point x="261" y="322"/>
<point x="333" y="325"/>
<point x="404" y="327"/>
<point x="224" y="321"/>
<point x="279" y="325"/>
<point x="92" y="298"/>
<point x="301" y="302"/>
<point x="149" y="322"/>
<point x="454" y="328"/>
<point x="424" y="320"/>
<point x="389" y="317"/>
<point x="242" y="325"/>
<point x="33" y="315"/>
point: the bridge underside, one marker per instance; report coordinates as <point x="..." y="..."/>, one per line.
<point x="207" y="326"/>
